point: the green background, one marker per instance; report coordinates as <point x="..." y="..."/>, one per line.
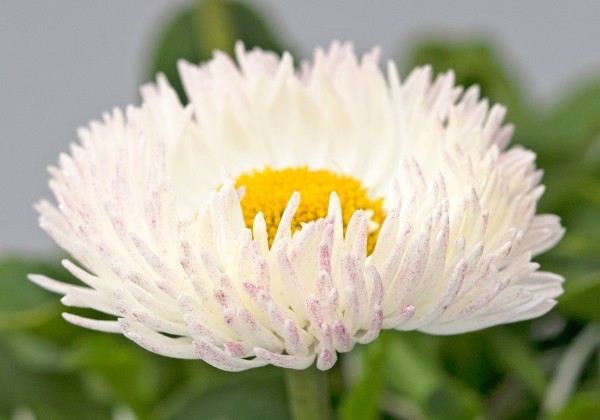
<point x="546" y="368"/>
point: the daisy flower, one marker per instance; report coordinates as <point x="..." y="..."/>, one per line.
<point x="285" y="215"/>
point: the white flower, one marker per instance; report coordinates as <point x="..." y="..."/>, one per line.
<point x="172" y="211"/>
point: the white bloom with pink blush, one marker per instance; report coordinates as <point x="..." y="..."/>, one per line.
<point x="283" y="216"/>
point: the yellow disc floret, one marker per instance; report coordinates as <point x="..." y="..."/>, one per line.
<point x="269" y="190"/>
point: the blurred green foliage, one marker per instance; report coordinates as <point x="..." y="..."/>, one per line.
<point x="209" y="25"/>
<point x="543" y="368"/>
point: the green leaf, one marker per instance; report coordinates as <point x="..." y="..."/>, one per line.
<point x="362" y="401"/>
<point x="115" y="370"/>
<point x="16" y="292"/>
<point x="520" y="360"/>
<point x="581" y="297"/>
<point x="469" y="358"/>
<point x="36" y="353"/>
<point x="48" y="395"/>
<point x="569" y="130"/>
<point x="453" y="400"/>
<point x="413" y="371"/>
<point x="583" y="406"/>
<point x="22" y="303"/>
<point x="207" y="25"/>
<point x="244" y="395"/>
<point x="412" y="368"/>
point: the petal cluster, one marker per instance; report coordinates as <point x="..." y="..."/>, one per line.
<point x="148" y="207"/>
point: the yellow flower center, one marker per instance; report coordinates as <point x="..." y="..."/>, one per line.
<point x="269" y="190"/>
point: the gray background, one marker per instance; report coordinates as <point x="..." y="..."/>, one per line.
<point x="64" y="62"/>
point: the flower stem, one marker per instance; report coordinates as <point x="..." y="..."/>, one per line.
<point x="308" y="394"/>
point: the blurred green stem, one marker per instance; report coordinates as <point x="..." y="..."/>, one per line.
<point x="215" y="26"/>
<point x="308" y="394"/>
<point x="571" y="367"/>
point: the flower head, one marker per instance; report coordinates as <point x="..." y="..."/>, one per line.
<point x="284" y="216"/>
